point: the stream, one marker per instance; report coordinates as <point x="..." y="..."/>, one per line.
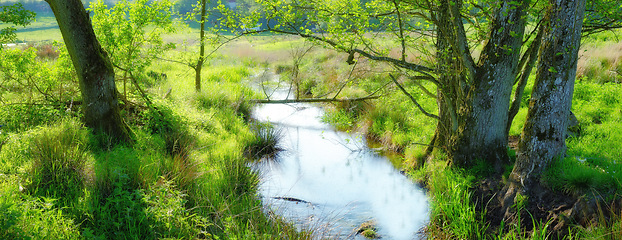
<point x="331" y="182"/>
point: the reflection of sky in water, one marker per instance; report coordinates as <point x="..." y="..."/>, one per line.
<point x="345" y="183"/>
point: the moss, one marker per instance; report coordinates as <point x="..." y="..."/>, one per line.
<point x="368" y="230"/>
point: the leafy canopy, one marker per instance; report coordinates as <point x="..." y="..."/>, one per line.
<point x="131" y="32"/>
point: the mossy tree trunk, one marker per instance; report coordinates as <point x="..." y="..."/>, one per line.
<point x="474" y="96"/>
<point x="95" y="71"/>
<point x="544" y="134"/>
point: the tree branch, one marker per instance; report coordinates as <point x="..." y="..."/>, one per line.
<point x="413" y="99"/>
<point x="398" y="63"/>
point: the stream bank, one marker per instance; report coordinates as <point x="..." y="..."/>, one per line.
<point x="331" y="182"/>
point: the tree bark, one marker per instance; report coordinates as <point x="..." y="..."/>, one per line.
<point x="544" y="133"/>
<point x="478" y="93"/>
<point x="95" y="71"/>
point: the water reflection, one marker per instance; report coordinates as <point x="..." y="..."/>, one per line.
<point x="332" y="182"/>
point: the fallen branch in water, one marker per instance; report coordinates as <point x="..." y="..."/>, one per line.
<point x="312" y="100"/>
<point x="291" y="199"/>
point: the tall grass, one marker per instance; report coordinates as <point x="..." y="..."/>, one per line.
<point x="454" y="215"/>
<point x="185" y="177"/>
<point x="59" y="157"/>
<point x="265" y="142"/>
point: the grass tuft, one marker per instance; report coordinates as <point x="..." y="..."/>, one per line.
<point x="59" y="155"/>
<point x="265" y="142"/>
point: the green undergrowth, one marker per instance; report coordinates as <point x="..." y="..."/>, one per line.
<point x="185" y="177"/>
<point x="454" y="214"/>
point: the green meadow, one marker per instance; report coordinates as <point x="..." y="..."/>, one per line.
<point x="186" y="176"/>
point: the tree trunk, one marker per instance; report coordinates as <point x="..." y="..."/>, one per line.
<point x="544" y="134"/>
<point x="199" y="67"/>
<point x="526" y="66"/>
<point x="478" y="93"/>
<point x="95" y="71"/>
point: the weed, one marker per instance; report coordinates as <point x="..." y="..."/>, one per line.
<point x="32" y="218"/>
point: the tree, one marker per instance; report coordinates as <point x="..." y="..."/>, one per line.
<point x="131" y="34"/>
<point x="95" y="71"/>
<point x="199" y="66"/>
<point x="208" y="36"/>
<point x="479" y="95"/>
<point x="544" y="134"/>
<point x="473" y="88"/>
<point x="472" y="95"/>
<point x="13" y="14"/>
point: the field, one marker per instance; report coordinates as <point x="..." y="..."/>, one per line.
<point x="186" y="176"/>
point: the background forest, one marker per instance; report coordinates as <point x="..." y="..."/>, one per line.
<point x="186" y="97"/>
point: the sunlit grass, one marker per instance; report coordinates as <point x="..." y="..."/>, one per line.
<point x="187" y="175"/>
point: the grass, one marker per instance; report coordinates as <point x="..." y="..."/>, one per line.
<point x="265" y="143"/>
<point x="43" y="29"/>
<point x="454" y="214"/>
<point x="185" y="177"/>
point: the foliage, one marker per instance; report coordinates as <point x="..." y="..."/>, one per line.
<point x="602" y="15"/>
<point x="26" y="78"/>
<point x="13" y="14"/>
<point x="131" y="34"/>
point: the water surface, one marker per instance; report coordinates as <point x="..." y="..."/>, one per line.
<point x="341" y="182"/>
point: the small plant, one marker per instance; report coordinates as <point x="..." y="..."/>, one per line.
<point x="265" y="142"/>
<point x="27" y="217"/>
<point x="368" y="230"/>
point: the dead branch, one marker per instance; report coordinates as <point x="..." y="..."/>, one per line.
<point x="312" y="100"/>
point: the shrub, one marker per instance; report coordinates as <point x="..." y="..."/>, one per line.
<point x="47" y="51"/>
